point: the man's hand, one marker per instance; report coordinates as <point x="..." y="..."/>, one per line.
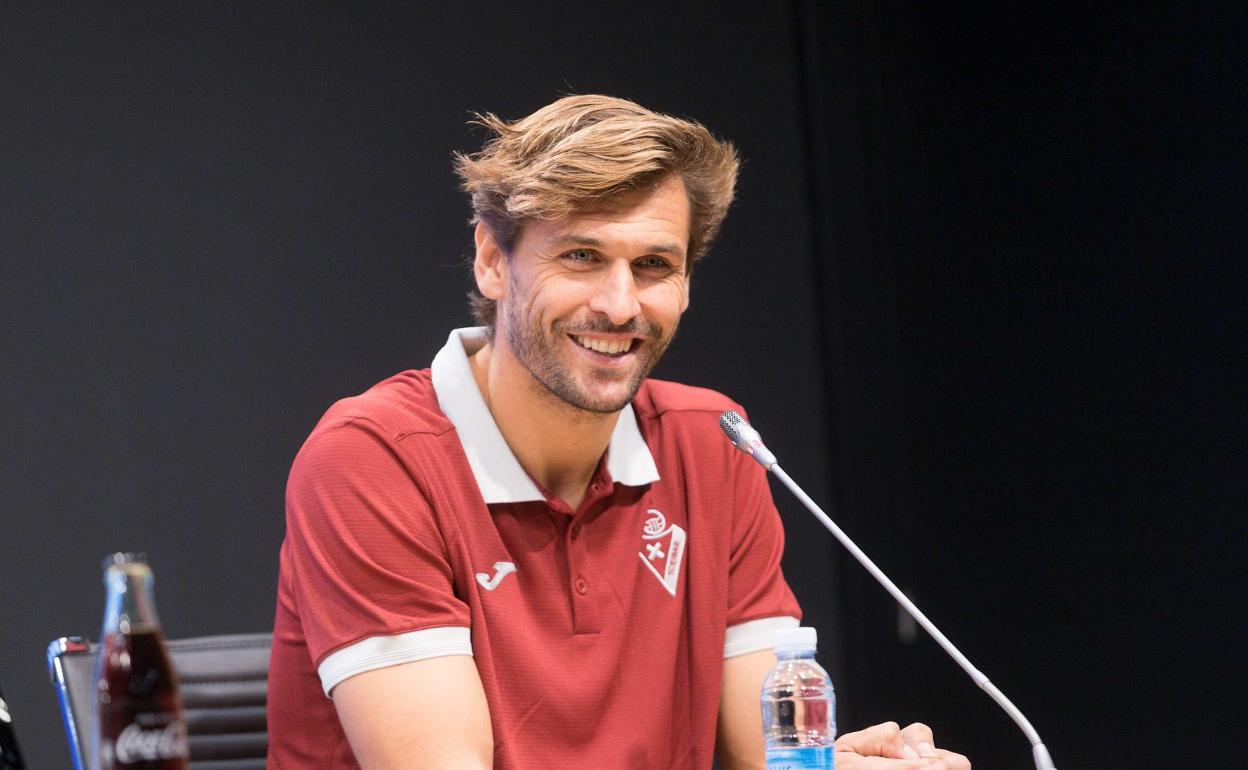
<point x="889" y="747"/>
<point x="883" y="747"/>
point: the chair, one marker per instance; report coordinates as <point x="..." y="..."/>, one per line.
<point x="223" y="685"/>
<point x="10" y="756"/>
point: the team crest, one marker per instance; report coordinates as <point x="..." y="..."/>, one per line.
<point x="663" y="549"/>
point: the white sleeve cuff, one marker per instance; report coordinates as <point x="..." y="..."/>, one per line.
<point x="754" y="635"/>
<point x="381" y="651"/>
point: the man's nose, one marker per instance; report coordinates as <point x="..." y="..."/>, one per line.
<point x="616" y="294"/>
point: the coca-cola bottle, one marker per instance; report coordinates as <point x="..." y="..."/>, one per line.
<point x="139" y="711"/>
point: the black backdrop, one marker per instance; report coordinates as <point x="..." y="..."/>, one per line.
<point x="982" y="291"/>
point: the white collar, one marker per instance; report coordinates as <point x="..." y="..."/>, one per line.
<point x="496" y="469"/>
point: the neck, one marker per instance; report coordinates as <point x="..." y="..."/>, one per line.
<point x="556" y="443"/>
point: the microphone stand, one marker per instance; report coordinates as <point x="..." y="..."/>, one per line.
<point x="747" y="440"/>
<point x="1039" y="752"/>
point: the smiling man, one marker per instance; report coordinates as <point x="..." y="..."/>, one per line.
<point x="529" y="555"/>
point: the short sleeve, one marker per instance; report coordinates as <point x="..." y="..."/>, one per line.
<point x="367" y="563"/>
<point x="759" y="599"/>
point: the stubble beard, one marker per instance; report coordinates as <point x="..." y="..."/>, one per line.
<point x="539" y="353"/>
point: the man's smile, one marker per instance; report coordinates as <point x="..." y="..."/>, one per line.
<point x="611" y="346"/>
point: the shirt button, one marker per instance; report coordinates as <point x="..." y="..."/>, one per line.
<point x="582" y="587"/>
<point x="596" y="486"/>
<point x="576" y="531"/>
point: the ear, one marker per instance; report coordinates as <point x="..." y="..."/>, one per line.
<point x="490" y="265"/>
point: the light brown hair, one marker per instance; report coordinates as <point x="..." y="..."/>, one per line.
<point x="580" y="152"/>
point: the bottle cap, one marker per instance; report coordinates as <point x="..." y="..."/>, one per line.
<point x="801" y="639"/>
<point x="122" y="559"/>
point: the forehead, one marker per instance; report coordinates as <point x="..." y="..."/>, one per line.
<point x="655" y="214"/>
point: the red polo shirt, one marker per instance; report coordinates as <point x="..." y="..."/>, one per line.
<point x="599" y="633"/>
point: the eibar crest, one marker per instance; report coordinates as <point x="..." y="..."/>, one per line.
<point x="664" y="549"/>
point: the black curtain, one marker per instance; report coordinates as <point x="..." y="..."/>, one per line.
<point x="1029" y="253"/>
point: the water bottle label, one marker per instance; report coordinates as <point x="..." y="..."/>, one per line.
<point x="801" y="758"/>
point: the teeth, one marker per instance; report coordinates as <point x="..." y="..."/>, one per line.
<point x="610" y="347"/>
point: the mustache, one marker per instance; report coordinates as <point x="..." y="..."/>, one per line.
<point x="638" y="327"/>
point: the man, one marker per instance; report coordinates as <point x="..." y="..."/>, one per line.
<point x="512" y="559"/>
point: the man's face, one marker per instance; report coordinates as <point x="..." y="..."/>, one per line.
<point x="593" y="300"/>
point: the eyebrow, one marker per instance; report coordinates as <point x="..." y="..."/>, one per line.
<point x="574" y="239"/>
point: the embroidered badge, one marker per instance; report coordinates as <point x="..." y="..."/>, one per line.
<point x="664" y="549"/>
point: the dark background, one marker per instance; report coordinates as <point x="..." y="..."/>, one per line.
<point x="982" y="291"/>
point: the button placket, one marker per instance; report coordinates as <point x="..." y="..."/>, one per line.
<point x="582" y="581"/>
<point x="586" y="594"/>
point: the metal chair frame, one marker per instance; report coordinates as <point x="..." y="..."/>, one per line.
<point x="223" y="686"/>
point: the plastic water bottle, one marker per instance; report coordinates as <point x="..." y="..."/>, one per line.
<point x="799" y="707"/>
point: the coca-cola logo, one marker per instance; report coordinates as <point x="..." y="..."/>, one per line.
<point x="136" y="744"/>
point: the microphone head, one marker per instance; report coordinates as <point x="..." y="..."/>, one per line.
<point x="730" y="423"/>
<point x="745" y="438"/>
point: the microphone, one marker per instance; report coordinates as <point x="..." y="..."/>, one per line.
<point x="744" y="437"/>
<point x="748" y="440"/>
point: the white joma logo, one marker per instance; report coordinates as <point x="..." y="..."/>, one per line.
<point x="501" y="570"/>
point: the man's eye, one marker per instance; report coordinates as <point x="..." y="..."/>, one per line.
<point x="655" y="263"/>
<point x="579" y="255"/>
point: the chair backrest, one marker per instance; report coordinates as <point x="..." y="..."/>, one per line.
<point x="10" y="756"/>
<point x="223" y="684"/>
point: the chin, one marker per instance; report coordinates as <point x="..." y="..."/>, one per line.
<point x="596" y="400"/>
